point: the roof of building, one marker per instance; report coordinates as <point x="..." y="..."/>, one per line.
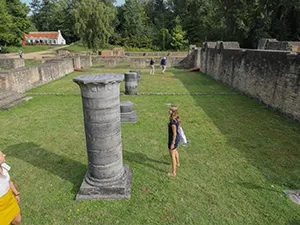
<point x="43" y="35"/>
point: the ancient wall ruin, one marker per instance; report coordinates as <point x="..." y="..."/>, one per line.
<point x="8" y="63"/>
<point x="25" y="78"/>
<point x="272" y="77"/>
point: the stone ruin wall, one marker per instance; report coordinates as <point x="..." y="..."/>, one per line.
<point x="25" y="78"/>
<point x="11" y="63"/>
<point x="138" y="62"/>
<point x="273" y="44"/>
<point x="272" y="77"/>
<point x="20" y="79"/>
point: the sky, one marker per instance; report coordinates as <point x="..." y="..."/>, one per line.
<point x="118" y="2"/>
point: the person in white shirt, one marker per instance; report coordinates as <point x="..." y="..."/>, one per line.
<point x="9" y="196"/>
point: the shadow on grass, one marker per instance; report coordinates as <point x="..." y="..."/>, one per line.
<point x="294" y="222"/>
<point x="66" y="168"/>
<point x="143" y="159"/>
<point x="249" y="185"/>
<point x="268" y="141"/>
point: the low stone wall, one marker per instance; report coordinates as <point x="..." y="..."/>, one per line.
<point x="86" y="61"/>
<point x="272" y="77"/>
<point x="26" y="78"/>
<point x="156" y="54"/>
<point x="55" y="69"/>
<point x="20" y="79"/>
<point x="135" y="62"/>
<point x="283" y="45"/>
<point x="102" y="59"/>
<point x="11" y="63"/>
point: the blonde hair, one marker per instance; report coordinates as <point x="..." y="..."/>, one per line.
<point x="174" y="115"/>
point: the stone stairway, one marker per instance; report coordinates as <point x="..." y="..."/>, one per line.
<point x="9" y="99"/>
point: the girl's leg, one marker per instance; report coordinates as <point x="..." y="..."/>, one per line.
<point x="17" y="219"/>
<point x="177" y="158"/>
<point x="173" y="157"/>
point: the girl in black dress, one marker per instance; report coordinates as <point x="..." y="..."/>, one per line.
<point x="173" y="140"/>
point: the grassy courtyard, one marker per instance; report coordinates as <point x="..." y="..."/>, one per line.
<point x="241" y="157"/>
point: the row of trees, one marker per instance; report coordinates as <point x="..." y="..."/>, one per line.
<point x="157" y="24"/>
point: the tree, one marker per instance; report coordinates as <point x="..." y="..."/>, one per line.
<point x="53" y="15"/>
<point x="134" y="19"/>
<point x="14" y="22"/>
<point x="5" y="24"/>
<point x="93" y="23"/>
<point x="178" y="36"/>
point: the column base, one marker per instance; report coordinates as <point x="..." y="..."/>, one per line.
<point x="120" y="189"/>
<point x="130" y="117"/>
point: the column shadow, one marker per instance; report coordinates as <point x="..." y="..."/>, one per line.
<point x="143" y="159"/>
<point x="59" y="165"/>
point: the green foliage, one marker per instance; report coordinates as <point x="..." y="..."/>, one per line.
<point x="14" y="22"/>
<point x="178" y="36"/>
<point x="53" y="15"/>
<point x="93" y="23"/>
<point x="134" y="19"/>
<point x="137" y="42"/>
<point x="152" y="24"/>
<point x="165" y="39"/>
<point x="5" y="24"/>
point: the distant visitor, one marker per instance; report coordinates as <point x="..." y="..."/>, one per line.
<point x="20" y="53"/>
<point x="163" y="64"/>
<point x="152" y="69"/>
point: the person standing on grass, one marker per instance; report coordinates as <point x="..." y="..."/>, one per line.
<point x="9" y="196"/>
<point x="163" y="64"/>
<point x="152" y="69"/>
<point x="173" y="138"/>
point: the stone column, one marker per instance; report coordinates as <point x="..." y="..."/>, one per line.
<point x="106" y="177"/>
<point x="138" y="72"/>
<point x="130" y="83"/>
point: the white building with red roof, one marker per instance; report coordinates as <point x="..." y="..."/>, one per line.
<point x="50" y="38"/>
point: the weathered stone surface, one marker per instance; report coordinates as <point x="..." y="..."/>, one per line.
<point x="121" y="189"/>
<point x="137" y="63"/>
<point x="138" y="72"/>
<point x="106" y="177"/>
<point x="9" y="63"/>
<point x="110" y="63"/>
<point x="8" y="99"/>
<point x="131" y="83"/>
<point x="270" y="76"/>
<point x="128" y="115"/>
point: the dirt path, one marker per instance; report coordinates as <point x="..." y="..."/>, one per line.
<point x="50" y="53"/>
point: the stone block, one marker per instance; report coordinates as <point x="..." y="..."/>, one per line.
<point x="128" y="115"/>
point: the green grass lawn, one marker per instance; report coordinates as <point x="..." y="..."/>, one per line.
<point x="28" y="48"/>
<point x="241" y="157"/>
<point x="30" y="62"/>
<point x="76" y="48"/>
